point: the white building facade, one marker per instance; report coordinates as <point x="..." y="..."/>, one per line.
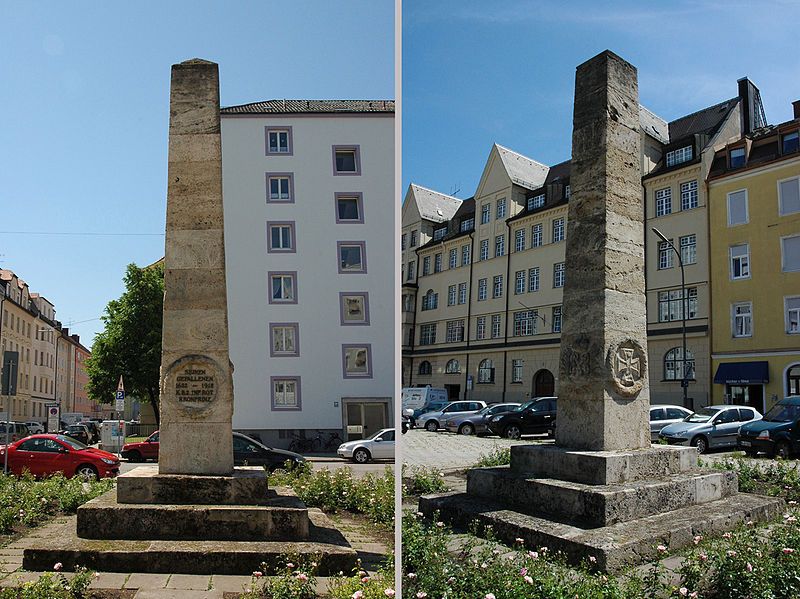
<point x="308" y="191"/>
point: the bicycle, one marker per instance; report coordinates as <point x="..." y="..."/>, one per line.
<point x="300" y="444"/>
<point x="332" y="443"/>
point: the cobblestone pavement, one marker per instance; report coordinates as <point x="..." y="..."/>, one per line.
<point x="450" y="451"/>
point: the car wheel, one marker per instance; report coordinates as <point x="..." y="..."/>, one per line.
<point x="782" y="450"/>
<point x="87" y="472"/>
<point x="432" y="426"/>
<point x="701" y="443"/>
<point x="512" y="432"/>
<point x="361" y="456"/>
<point x="135" y="456"/>
<point x="466" y="429"/>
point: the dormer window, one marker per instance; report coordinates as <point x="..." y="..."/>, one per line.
<point x="439" y="233"/>
<point x="467" y="224"/>
<point x="678" y="156"/>
<point x="736" y="157"/>
<point x="536" y="202"/>
<point x="790" y="142"/>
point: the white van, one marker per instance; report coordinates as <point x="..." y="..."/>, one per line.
<point x="414" y="398"/>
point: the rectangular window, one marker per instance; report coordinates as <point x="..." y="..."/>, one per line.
<point x="284" y="339"/>
<point x="790" y="253"/>
<point x="536" y="235"/>
<point x="283" y="287"/>
<point x="426" y="266"/>
<point x="495" y="326"/>
<point x="285" y="393"/>
<point x="462" y="293"/>
<point x="737" y="208"/>
<point x="454" y="258"/>
<point x="279" y="140"/>
<point x="481" y="328"/>
<point x="346" y="160"/>
<point x="536" y="202"/>
<point x="525" y="323"/>
<point x="740" y="261"/>
<point x="664" y="255"/>
<point x="790" y="142"/>
<point x="413" y="239"/>
<point x="430" y="301"/>
<point x="663" y="201"/>
<point x="556" y="328"/>
<point x="467" y="224"/>
<point x="792" y="315"/>
<point x="280" y="236"/>
<point x="451" y="295"/>
<point x="484" y="249"/>
<point x="516" y="371"/>
<point x="689" y="249"/>
<point x="280" y="187"/>
<point x="499" y="245"/>
<point x="678" y="156"/>
<point x="789" y="196"/>
<point x="743" y="319"/>
<point x="354" y="308"/>
<point x="688" y="195"/>
<point x="438" y="234"/>
<point x="670" y="305"/>
<point x="427" y="334"/>
<point x="497" y="287"/>
<point x="558" y="275"/>
<point x="486" y="213"/>
<point x="465" y="252"/>
<point x="519" y="240"/>
<point x="350" y="209"/>
<point x="558" y="230"/>
<point x="736" y="156"/>
<point x="352" y="256"/>
<point x="482" y="285"/>
<point x="519" y="282"/>
<point x="403" y="241"/>
<point x="501" y="208"/>
<point x="567" y="191"/>
<point x="533" y="279"/>
<point x="455" y="331"/>
<point x="410" y="271"/>
<point x="437" y="263"/>
<point x="357" y="361"/>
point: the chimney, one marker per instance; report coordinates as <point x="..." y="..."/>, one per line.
<point x="796" y="106"/>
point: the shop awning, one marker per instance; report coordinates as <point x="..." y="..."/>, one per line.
<point x="742" y="373"/>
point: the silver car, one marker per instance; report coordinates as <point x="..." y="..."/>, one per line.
<point x="661" y="416"/>
<point x="432" y="421"/>
<point x="475" y="424"/>
<point x="712" y="426"/>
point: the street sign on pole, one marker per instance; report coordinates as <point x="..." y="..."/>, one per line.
<point x="120" y="397"/>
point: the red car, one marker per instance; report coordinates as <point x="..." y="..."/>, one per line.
<point x="44" y="455"/>
<point x="143" y="450"/>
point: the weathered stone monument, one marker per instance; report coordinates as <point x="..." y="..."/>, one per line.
<point x="602" y="490"/>
<point x="194" y="513"/>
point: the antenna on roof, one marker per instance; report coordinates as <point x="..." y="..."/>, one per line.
<point x="455" y="189"/>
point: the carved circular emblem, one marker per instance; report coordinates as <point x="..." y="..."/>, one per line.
<point x="192" y="383"/>
<point x="627" y="363"/>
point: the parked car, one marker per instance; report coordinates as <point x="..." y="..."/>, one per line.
<point x="475" y="424"/>
<point x="94" y="431"/>
<point x="777" y="434"/>
<point x="16" y="431"/>
<point x="710" y="427"/>
<point x="535" y="416"/>
<point x="34" y="427"/>
<point x="246" y="452"/>
<point x="379" y="446"/>
<point x="434" y="406"/>
<point x="45" y="455"/>
<point x="79" y="432"/>
<point x="661" y="416"/>
<point x="434" y="420"/>
<point x="417" y="398"/>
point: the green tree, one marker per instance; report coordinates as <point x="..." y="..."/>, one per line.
<point x="130" y="344"/>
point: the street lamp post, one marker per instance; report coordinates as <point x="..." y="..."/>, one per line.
<point x="684" y="307"/>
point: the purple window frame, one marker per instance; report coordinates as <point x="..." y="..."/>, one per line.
<point x="296" y="380"/>
<point x="293" y="234"/>
<point x="290" y="143"/>
<point x="368" y="347"/>
<point x="296" y="327"/>
<point x="339" y="245"/>
<point x="347" y="323"/>
<point x="272" y="273"/>
<point x="359" y="200"/>
<point x="290" y="176"/>
<point x="354" y="147"/>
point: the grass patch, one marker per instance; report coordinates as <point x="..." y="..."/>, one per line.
<point x="422" y="480"/>
<point x="776" y="478"/>
<point x="499" y="456"/>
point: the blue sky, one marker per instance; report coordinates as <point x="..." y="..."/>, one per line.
<point x="85" y="103"/>
<point x="477" y="72"/>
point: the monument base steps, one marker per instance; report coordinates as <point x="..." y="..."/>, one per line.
<point x="615" y="547"/>
<point x="325" y="544"/>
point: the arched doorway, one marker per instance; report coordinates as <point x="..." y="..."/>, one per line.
<point x="793" y="380"/>
<point x="544" y="384"/>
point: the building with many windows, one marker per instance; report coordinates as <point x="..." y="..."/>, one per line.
<point x="308" y="191"/>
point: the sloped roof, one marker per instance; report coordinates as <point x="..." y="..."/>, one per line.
<point x="311" y="106"/>
<point x="653" y="125"/>
<point x="434" y="206"/>
<point x="703" y="121"/>
<point x="522" y="170"/>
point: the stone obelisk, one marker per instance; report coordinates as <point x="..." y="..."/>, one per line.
<point x="196" y="374"/>
<point x="604" y="396"/>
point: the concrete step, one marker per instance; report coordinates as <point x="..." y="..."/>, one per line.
<point x="600" y="505"/>
<point x="285" y="518"/>
<point x="614" y="547"/>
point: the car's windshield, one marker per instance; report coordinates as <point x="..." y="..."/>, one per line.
<point x="71" y="442"/>
<point x="783" y="413"/>
<point x="524" y="406"/>
<point x="703" y="415"/>
<point x="375" y="435"/>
